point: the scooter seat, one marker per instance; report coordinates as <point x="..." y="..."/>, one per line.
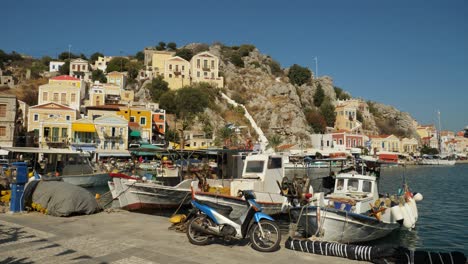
<point x="222" y="209"/>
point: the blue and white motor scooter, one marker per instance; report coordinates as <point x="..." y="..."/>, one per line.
<point x="212" y="220"/>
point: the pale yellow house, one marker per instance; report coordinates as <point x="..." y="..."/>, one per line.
<point x="177" y="72"/>
<point x="204" y="67"/>
<point x="389" y="143"/>
<point x="51" y="124"/>
<point x="117" y="78"/>
<point x="97" y="96"/>
<point x="197" y="140"/>
<point x="64" y="90"/>
<point x="80" y="69"/>
<point x="409" y="145"/>
<point x="346" y="117"/>
<point x="112" y="131"/>
<point x="158" y="61"/>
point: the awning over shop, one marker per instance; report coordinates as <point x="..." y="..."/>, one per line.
<point x="84" y="148"/>
<point x="135" y="133"/>
<point x="114" y="154"/>
<point x="83" y="128"/>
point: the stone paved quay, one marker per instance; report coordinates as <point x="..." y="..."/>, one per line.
<point x="122" y="237"/>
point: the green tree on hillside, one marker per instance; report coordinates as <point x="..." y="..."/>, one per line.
<point x="327" y="109"/>
<point x="236" y="59"/>
<point x="172" y="46"/>
<point x="157" y="87"/>
<point x="95" y="56"/>
<point x="185" y="54"/>
<point x="64" y="56"/>
<point x="168" y="102"/>
<point x="140" y="56"/>
<point x="98" y="75"/>
<point x="224" y="134"/>
<point x="274" y="141"/>
<point x="161" y="46"/>
<point x="319" y="96"/>
<point x="299" y="75"/>
<point x="65" y="68"/>
<point x="117" y="64"/>
<point x="315" y="120"/>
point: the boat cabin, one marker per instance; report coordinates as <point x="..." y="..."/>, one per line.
<point x="261" y="172"/>
<point x="354" y="189"/>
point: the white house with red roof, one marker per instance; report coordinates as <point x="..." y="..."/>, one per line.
<point x="65" y="90"/>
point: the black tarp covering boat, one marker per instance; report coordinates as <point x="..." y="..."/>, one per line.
<point x="60" y="198"/>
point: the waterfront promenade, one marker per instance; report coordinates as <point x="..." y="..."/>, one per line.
<point x="122" y="237"/>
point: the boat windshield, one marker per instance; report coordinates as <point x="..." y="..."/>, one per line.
<point x="353" y="185"/>
<point x="254" y="166"/>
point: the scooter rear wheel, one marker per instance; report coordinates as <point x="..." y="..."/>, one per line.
<point x="271" y="239"/>
<point x="196" y="237"/>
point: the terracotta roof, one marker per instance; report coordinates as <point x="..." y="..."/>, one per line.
<point x="106" y="107"/>
<point x="52" y="106"/>
<point x="286" y="146"/>
<point x="133" y="124"/>
<point x="65" y="78"/>
<point x="379" y="136"/>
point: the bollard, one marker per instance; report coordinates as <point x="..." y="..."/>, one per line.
<point x="19" y="174"/>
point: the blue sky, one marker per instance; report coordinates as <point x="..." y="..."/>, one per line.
<point x="409" y="54"/>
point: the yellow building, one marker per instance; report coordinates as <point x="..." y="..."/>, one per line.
<point x="117" y="78"/>
<point x="204" y="67"/>
<point x="65" y="90"/>
<point x="346" y="117"/>
<point x="126" y="96"/>
<point x="177" y="72"/>
<point x="51" y="124"/>
<point x="384" y="143"/>
<point x="140" y="119"/>
<point x="425" y="131"/>
<point x="97" y="96"/>
<point x="158" y="61"/>
<point x="409" y="145"/>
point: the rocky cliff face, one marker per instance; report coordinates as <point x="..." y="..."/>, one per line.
<point x="278" y="106"/>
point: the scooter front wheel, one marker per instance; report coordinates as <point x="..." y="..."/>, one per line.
<point x="195" y="236"/>
<point x="271" y="238"/>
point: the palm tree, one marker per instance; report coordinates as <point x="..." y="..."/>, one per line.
<point x="225" y="134"/>
<point x="274" y="141"/>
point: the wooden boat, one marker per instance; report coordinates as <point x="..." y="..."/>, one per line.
<point x="134" y="193"/>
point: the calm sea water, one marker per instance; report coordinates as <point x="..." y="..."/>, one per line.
<point x="443" y="213"/>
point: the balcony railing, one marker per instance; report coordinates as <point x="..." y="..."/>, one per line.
<point x="110" y="136"/>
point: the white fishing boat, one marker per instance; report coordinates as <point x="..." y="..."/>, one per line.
<point x="436" y="160"/>
<point x="260" y="173"/>
<point x="135" y="193"/>
<point x="354" y="211"/>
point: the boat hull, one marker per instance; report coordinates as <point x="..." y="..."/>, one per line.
<point x="437" y="162"/>
<point x="87" y="180"/>
<point x="136" y="195"/>
<point x="238" y="205"/>
<point x="341" y="226"/>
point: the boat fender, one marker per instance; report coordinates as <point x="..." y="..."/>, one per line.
<point x="396" y="213"/>
<point x="417" y="197"/>
<point x="414" y="207"/>
<point x="406" y="218"/>
<point x="410" y="214"/>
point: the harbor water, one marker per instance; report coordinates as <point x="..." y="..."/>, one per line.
<point x="443" y="213"/>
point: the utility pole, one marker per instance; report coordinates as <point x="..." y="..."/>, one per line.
<point x="316" y="67"/>
<point x="69" y="51"/>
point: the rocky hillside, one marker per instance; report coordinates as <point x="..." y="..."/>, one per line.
<point x="278" y="106"/>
